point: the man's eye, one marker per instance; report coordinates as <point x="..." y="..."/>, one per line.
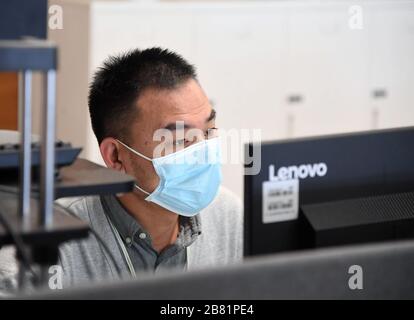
<point x="179" y="142"/>
<point x="211" y="132"/>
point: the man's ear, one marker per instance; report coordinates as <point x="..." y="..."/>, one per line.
<point x="109" y="148"/>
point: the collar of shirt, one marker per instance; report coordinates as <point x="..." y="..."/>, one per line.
<point x="129" y="229"/>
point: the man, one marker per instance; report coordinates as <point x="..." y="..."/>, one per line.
<point x="177" y="217"/>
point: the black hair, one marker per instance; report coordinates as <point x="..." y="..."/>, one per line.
<point x="117" y="85"/>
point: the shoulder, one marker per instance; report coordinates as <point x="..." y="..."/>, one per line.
<point x="221" y="239"/>
<point x="86" y="259"/>
<point x="227" y="206"/>
<point x="227" y="197"/>
<point x="83" y="207"/>
<point x="223" y="218"/>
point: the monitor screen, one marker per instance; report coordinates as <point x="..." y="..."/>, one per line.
<point x="319" y="169"/>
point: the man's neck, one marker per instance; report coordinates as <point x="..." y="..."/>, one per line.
<point x="161" y="224"/>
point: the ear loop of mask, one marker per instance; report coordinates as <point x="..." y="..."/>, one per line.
<point x="134" y="151"/>
<point x="142" y="156"/>
<point x="140" y="189"/>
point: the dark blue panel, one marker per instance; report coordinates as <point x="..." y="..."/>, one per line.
<point x="19" y="18"/>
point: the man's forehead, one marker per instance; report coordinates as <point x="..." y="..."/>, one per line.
<point x="184" y="96"/>
<point x="186" y="105"/>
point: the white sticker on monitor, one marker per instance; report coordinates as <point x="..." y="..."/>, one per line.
<point x="280" y="200"/>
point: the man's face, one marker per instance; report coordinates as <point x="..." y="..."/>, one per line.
<point x="158" y="112"/>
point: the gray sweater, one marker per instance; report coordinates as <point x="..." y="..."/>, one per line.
<point x="219" y="243"/>
<point x="86" y="260"/>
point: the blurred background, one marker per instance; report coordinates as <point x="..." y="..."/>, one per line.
<point x="288" y="68"/>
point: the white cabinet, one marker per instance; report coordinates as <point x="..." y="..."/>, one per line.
<point x="391" y="66"/>
<point x="325" y="67"/>
<point x="238" y="53"/>
<point x="124" y="26"/>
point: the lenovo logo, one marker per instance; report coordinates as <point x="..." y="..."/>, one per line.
<point x="302" y="171"/>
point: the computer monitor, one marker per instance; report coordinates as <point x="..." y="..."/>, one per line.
<point x="298" y="173"/>
<point x="327" y="273"/>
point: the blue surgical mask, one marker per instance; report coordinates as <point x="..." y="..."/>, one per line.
<point x="189" y="178"/>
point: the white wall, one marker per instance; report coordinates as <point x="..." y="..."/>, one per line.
<point x="251" y="56"/>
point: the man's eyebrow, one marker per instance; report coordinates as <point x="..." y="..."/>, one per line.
<point x="172" y="126"/>
<point x="177" y="126"/>
<point x="212" y="115"/>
